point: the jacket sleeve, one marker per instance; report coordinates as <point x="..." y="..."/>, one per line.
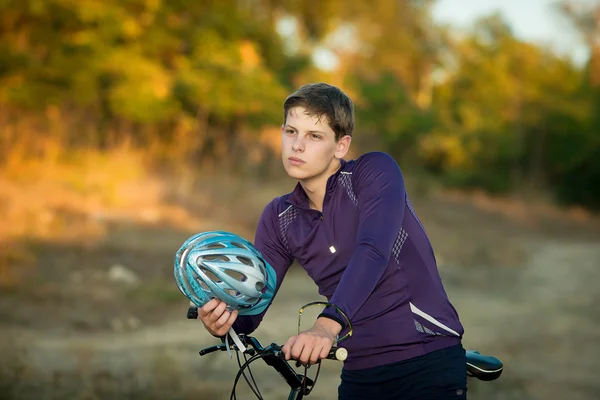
<point x="268" y="241"/>
<point x="379" y="188"/>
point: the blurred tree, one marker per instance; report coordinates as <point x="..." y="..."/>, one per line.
<point x="198" y="80"/>
<point x="494" y="110"/>
<point x="386" y="53"/>
<point x="585" y="16"/>
<point x="581" y="165"/>
<point x="139" y="64"/>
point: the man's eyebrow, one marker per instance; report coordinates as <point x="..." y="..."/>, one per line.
<point x="296" y="129"/>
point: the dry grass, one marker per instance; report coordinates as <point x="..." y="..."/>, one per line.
<point x="74" y="201"/>
<point x="524" y="209"/>
<point x="20" y="381"/>
<point x="71" y="199"/>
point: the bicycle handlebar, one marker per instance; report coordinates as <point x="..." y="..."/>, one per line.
<point x="255" y="347"/>
<point x="274" y="357"/>
<point x="482" y="367"/>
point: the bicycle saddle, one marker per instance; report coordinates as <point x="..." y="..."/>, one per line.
<point x="485" y="368"/>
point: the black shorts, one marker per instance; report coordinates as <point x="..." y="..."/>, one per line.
<point x="438" y="375"/>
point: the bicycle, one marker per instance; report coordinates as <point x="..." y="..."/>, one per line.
<point x="479" y="366"/>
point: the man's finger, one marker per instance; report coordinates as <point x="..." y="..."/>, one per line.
<point x="217" y="312"/>
<point x="297" y="348"/>
<point x="305" y="353"/>
<point x="325" y="351"/>
<point x="208" y="307"/>
<point x="232" y="318"/>
<point x="287" y="347"/>
<point x="224" y="329"/>
<point x="222" y="319"/>
<point x="315" y="355"/>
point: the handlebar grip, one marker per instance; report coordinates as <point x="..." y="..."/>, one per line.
<point x="192" y="312"/>
<point x="338" y="353"/>
<point x="211" y="349"/>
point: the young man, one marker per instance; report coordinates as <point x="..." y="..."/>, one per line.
<point x="351" y="226"/>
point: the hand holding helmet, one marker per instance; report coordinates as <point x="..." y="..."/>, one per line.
<point x="224" y="275"/>
<point x="216" y="317"/>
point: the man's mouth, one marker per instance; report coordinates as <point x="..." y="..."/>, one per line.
<point x="295" y="161"/>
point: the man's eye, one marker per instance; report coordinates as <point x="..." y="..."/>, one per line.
<point x="289" y="131"/>
<point x="316" y="136"/>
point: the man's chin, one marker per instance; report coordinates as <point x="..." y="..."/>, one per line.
<point x="295" y="174"/>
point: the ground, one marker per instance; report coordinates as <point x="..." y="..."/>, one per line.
<point x="96" y="314"/>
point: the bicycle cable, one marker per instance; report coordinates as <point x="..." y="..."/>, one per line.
<point x="240" y="372"/>
<point x="306" y="391"/>
<point x="254" y="388"/>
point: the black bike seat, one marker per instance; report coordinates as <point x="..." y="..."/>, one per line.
<point x="485" y="368"/>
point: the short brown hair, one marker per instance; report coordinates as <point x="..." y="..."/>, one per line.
<point x="322" y="99"/>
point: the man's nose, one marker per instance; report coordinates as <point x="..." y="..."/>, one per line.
<point x="298" y="144"/>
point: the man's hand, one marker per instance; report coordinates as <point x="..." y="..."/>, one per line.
<point x="216" y="318"/>
<point x="314" y="344"/>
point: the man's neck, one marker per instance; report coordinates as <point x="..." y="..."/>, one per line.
<point x="315" y="188"/>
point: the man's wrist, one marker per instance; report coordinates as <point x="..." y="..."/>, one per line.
<point x="329" y="325"/>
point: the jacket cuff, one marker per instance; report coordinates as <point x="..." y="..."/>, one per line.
<point x="333" y="317"/>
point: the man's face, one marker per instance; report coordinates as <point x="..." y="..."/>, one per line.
<point x="309" y="149"/>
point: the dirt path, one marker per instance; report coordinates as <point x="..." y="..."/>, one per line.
<point x="527" y="292"/>
<point x="541" y="320"/>
<point x="171" y="350"/>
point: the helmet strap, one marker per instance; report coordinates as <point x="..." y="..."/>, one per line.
<point x="236" y="340"/>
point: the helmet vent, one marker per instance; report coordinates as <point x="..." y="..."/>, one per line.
<point x="202" y="284"/>
<point x="210" y="275"/>
<point x="216" y="257"/>
<point x="244" y="260"/>
<point x="236" y="275"/>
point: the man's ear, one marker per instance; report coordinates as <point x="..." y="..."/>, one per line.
<point x="342" y="146"/>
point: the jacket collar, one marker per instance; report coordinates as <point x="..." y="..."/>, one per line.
<point x="299" y="198"/>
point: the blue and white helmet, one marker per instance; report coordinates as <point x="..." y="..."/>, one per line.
<point x="223" y="265"/>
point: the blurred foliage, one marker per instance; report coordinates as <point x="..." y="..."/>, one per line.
<point x="194" y="81"/>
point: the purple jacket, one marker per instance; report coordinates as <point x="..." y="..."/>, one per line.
<point x="369" y="255"/>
